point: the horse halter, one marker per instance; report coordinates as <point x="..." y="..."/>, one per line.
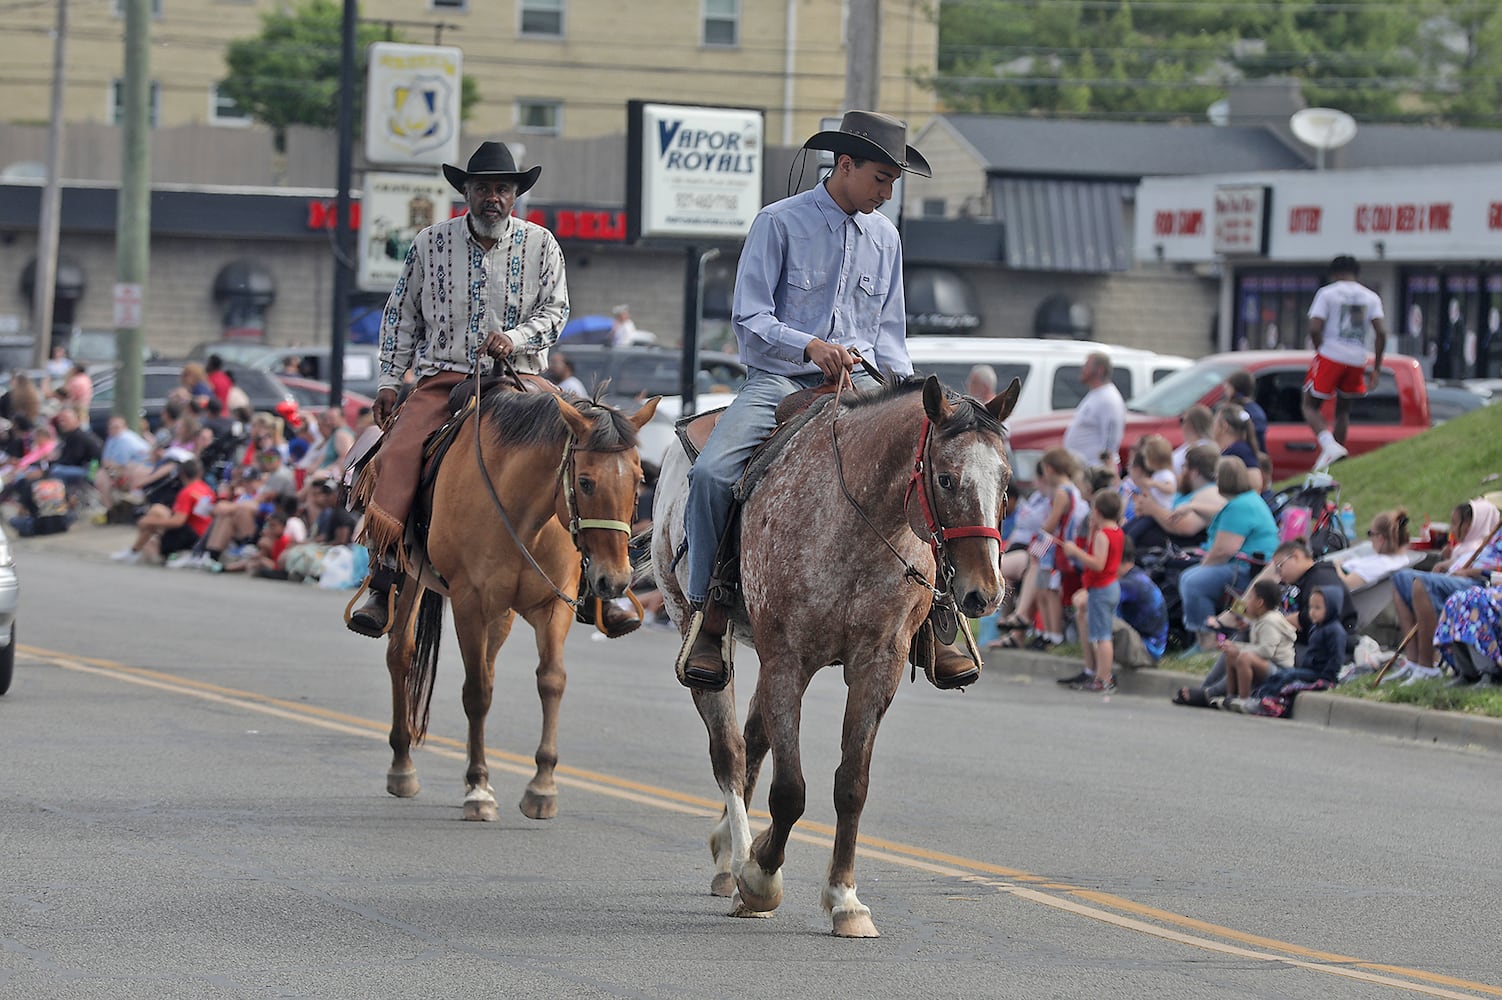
<point x="568" y="474"/>
<point x="920" y="481"/>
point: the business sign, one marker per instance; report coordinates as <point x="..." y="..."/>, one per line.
<point x="393" y="210"/>
<point x="1419" y="214"/>
<point x="412" y="102"/>
<point x="1241" y="219"/>
<point x="693" y="172"/>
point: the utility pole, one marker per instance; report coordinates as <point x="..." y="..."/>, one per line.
<point x="44" y="284"/>
<point x="133" y="210"/>
<point x="344" y="244"/>
<point x="863" y="55"/>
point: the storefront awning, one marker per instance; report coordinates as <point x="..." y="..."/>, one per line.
<point x="1064" y="225"/>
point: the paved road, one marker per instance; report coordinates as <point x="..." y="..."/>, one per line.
<point x="192" y="805"/>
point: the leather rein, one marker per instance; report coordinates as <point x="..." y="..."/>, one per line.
<point x="567" y="473"/>
<point x="920" y="482"/>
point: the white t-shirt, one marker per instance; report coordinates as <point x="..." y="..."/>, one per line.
<point x="1348" y="308"/>
<point x="1098" y="424"/>
<point x="1163" y="486"/>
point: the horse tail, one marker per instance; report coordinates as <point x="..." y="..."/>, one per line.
<point x="641" y="558"/>
<point x="424" y="664"/>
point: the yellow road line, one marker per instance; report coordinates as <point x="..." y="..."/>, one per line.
<point x="1108" y="908"/>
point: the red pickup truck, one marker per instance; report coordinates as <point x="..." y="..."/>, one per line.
<point x="1397" y="408"/>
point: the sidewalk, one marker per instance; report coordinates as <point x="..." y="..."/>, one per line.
<point x="1454" y="730"/>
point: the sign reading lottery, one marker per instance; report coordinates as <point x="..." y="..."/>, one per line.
<point x="700" y="170"/>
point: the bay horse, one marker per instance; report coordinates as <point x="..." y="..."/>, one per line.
<point x="827" y="584"/>
<point x="565" y="473"/>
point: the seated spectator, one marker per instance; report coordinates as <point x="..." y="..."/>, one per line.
<point x="238" y="521"/>
<point x="1465" y="563"/>
<point x="1195" y="505"/>
<point x="1151" y="469"/>
<point x="1268" y="647"/>
<point x="1469" y="637"/>
<point x="1232" y="431"/>
<point x="327" y="460"/>
<point x="1241" y="535"/>
<point x="271" y="545"/>
<point x="78" y="448"/>
<point x="125" y="456"/>
<point x="162" y="531"/>
<point x="561" y="372"/>
<point x="1027" y="517"/>
<point x="1318" y="668"/>
<point x="1195" y="423"/>
<point x="1043" y="582"/>
<point x="1240" y="387"/>
<point x="196" y="381"/>
<point x="1389" y="537"/>
<point x="78" y="390"/>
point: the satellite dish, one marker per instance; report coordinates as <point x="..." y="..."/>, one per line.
<point x="1219" y="113"/>
<point x="1323" y="128"/>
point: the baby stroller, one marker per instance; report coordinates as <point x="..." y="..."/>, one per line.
<point x="1164" y="565"/>
<point x="1307" y="511"/>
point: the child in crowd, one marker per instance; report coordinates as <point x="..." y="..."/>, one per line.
<point x="1100" y="561"/>
<point x="1042" y="581"/>
<point x="270" y="546"/>
<point x="1269" y="646"/>
<point x="1152" y="469"/>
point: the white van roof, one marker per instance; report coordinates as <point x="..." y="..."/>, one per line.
<point x="980" y="348"/>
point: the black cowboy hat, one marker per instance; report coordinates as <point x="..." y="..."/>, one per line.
<point x="493" y="159"/>
<point x="870" y="135"/>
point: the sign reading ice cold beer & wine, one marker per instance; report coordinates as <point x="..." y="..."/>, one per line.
<point x="697" y="171"/>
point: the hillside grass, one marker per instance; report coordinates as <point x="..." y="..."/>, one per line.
<point x="1428" y="473"/>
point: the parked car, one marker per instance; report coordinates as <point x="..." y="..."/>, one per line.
<point x="361" y="361"/>
<point x="10" y="592"/>
<point x="1049" y="369"/>
<point x="1449" y="399"/>
<point x="312" y="394"/>
<point x="100" y="347"/>
<point x="263" y="388"/>
<point x="1397" y="408"/>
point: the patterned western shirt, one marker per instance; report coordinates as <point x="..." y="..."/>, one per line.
<point x="453" y="293"/>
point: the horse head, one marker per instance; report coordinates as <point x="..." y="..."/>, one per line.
<point x="603" y="477"/>
<point x="961" y="478"/>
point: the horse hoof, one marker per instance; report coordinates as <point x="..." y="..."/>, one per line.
<point x="759" y="892"/>
<point x="478" y="811"/>
<point x="535" y="805"/>
<point x="742" y="910"/>
<point x="723" y="885"/>
<point x="855" y="924"/>
<point x="402" y="784"/>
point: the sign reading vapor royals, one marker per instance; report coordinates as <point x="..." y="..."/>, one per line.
<point x="692" y="172"/>
<point x="412" y="103"/>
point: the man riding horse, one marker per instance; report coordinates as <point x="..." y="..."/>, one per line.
<point x="820" y="277"/>
<point x="479" y="287"/>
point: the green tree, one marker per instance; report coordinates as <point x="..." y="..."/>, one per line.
<point x="289" y="73"/>
<point x="1157" y="60"/>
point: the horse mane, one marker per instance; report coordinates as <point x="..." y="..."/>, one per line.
<point x="529" y="419"/>
<point x="969" y="413"/>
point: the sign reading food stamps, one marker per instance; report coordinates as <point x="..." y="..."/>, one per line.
<point x="393" y="210"/>
<point x="693" y="172"/>
<point x="412" y="103"/>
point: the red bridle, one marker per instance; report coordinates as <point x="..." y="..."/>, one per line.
<point x="919" y="481"/>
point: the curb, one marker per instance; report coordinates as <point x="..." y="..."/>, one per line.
<point x="1453" y="730"/>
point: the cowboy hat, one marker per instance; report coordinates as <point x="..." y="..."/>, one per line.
<point x="493" y="159"/>
<point x="870" y="135"/>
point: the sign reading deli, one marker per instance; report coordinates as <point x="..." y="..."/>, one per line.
<point x="412" y="99"/>
<point x="693" y="172"/>
<point x="1417" y="214"/>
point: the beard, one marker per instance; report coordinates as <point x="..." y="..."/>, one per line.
<point x="488" y="230"/>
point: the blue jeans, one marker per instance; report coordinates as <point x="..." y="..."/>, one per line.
<point x="746" y="423"/>
<point x="1201" y="587"/>
<point x="1441" y="586"/>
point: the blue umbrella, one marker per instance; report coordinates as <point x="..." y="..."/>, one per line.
<point x="587" y="330"/>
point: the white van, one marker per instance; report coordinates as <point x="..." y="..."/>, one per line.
<point x="1049" y="369"/>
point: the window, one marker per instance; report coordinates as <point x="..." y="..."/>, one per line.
<point x="1068" y="390"/>
<point x="542" y="17"/>
<point x="449" y="4"/>
<point x="722" y="22"/>
<point x="117" y="102"/>
<point x="933" y="208"/>
<point x="539" y="117"/>
<point x="224" y="111"/>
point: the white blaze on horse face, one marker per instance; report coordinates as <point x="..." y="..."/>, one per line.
<point x="985" y="481"/>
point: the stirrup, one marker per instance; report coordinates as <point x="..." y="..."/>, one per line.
<point x="727" y="649"/>
<point x="349" y="612"/>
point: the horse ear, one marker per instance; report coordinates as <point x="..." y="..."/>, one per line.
<point x="935" y="403"/>
<point x="578" y="424"/>
<point x="1003" y="403"/>
<point x="640" y="417"/>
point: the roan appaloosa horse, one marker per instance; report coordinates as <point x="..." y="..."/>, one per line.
<point x="565" y="473"/>
<point x="828" y="538"/>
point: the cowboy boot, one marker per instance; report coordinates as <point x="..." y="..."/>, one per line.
<point x="701" y="663"/>
<point x="953" y="667"/>
<point x="618" y="620"/>
<point x="372" y="618"/>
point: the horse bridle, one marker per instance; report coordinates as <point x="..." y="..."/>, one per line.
<point x="919" y="480"/>
<point x="567" y="472"/>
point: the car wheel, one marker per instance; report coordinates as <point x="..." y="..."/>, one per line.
<point x="8" y="662"/>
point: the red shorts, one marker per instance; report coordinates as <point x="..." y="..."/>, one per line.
<point x="1326" y="378"/>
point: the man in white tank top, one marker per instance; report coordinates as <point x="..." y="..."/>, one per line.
<point x="1344" y="315"/>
